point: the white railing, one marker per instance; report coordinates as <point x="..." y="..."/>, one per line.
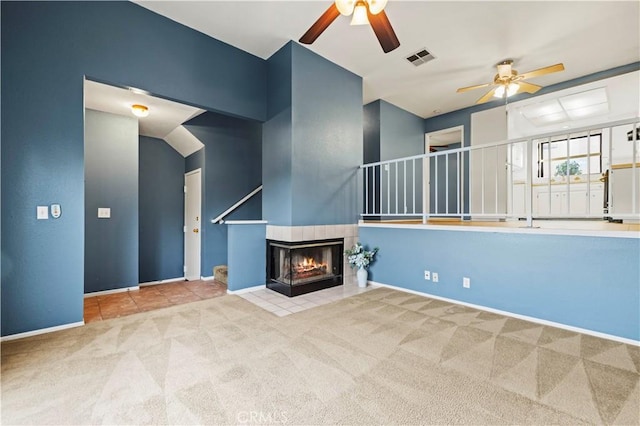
<point x="220" y="218"/>
<point x="586" y="173"/>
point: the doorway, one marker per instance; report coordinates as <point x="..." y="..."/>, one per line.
<point x="192" y="224"/>
<point x="443" y="173"/>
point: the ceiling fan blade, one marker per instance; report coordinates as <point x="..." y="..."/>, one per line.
<point x="487" y="97"/>
<point x="478" y="86"/>
<point x="383" y="30"/>
<point x="541" y="71"/>
<point x="320" y="25"/>
<point x="527" y="87"/>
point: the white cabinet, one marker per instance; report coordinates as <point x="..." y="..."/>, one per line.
<point x="555" y="201"/>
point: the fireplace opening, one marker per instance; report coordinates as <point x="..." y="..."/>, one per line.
<point x="302" y="267"/>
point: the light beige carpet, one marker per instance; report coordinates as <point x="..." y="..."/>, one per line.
<point x="381" y="357"/>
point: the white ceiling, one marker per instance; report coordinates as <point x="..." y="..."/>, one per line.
<point x="467" y="38"/>
<point x="164" y="119"/>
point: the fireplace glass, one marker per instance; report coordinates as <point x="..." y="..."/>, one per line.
<point x="302" y="267"/>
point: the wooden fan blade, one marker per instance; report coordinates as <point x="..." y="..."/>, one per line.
<point x="487" y="97"/>
<point x="478" y="86"/>
<point x="383" y="30"/>
<point x="320" y="25"/>
<point x="541" y="71"/>
<point x="527" y="87"/>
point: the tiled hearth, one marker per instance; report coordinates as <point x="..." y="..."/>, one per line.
<point x="319" y="232"/>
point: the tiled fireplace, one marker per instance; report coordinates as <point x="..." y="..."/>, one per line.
<point x="302" y="259"/>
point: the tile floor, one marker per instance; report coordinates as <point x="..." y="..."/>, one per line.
<point x="282" y="305"/>
<point x="98" y="308"/>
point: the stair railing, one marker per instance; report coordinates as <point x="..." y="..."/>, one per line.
<point x="220" y="218"/>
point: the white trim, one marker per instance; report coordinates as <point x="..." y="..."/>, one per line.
<point x="246" y="222"/>
<point x="194" y="171"/>
<point x="115" y="290"/>
<point x="170" y="280"/>
<point x="209" y="278"/>
<point x="511" y="314"/>
<point x="247" y="290"/>
<point x="506" y="230"/>
<point x="41" y="331"/>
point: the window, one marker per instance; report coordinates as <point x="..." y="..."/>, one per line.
<point x="582" y="155"/>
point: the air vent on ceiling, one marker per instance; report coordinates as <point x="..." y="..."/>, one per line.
<point x="420" y="57"/>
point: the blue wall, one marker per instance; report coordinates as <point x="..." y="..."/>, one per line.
<point x="327" y="141"/>
<point x="247" y="241"/>
<point x="277" y="145"/>
<point x="586" y="282"/>
<point x="161" y="209"/>
<point x="232" y="169"/>
<point x="389" y="133"/>
<point x="47" y="49"/>
<point x="111" y="180"/>
<point x="312" y="141"/>
<point x="401" y="132"/>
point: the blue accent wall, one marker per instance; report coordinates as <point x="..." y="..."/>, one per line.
<point x="401" y="132"/>
<point x="327" y="141"/>
<point x="47" y="49"/>
<point x="389" y="133"/>
<point x="161" y="211"/>
<point x="111" y="181"/>
<point x="312" y="140"/>
<point x="277" y="145"/>
<point x="233" y="168"/>
<point x="586" y="282"/>
<point x="194" y="161"/>
<point x="247" y="241"/>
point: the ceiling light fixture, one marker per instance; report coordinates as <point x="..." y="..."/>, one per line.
<point x="510" y="90"/>
<point x="346" y="7"/>
<point x="139" y="110"/>
<point x="360" y="14"/>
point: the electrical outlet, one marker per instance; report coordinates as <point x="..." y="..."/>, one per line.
<point x="466" y="282"/>
<point x="434" y="277"/>
<point x="427" y="275"/>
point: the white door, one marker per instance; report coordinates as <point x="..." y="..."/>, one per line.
<point x="192" y="220"/>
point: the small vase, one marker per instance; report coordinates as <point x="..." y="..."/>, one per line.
<point x="362" y="277"/>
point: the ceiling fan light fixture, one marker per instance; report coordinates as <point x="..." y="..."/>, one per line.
<point x="360" y="14"/>
<point x="376" y="6"/>
<point x="139" y="110"/>
<point x="509" y="90"/>
<point x="345" y="7"/>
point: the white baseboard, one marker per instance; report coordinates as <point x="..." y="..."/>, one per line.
<point x="207" y="278"/>
<point x="518" y="316"/>
<point x="115" y="290"/>
<point x="171" y="280"/>
<point x="41" y="331"/>
<point x="246" y="290"/>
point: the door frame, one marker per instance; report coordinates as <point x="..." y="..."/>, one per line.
<point x="426" y="196"/>
<point x="186" y="229"/>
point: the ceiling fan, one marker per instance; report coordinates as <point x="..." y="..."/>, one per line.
<point x="364" y="11"/>
<point x="508" y="82"/>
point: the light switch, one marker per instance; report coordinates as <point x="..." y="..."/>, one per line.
<point x="43" y="212"/>
<point x="104" y="212"/>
